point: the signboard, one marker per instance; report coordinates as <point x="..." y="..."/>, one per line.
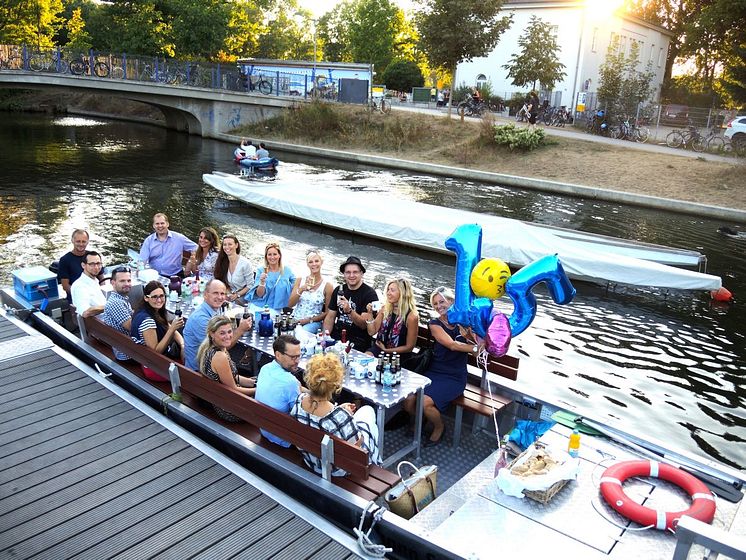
<point x="580" y="104"/>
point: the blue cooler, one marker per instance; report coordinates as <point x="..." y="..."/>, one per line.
<point x="35" y="283"/>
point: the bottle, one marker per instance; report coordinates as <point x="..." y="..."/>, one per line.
<point x="396" y="368"/>
<point x="177" y="308"/>
<point x="343" y="336"/>
<point x="247" y="315"/>
<point x="573" y="446"/>
<point x="195" y="287"/>
<point x="379" y="369"/>
<point x="387" y="379"/>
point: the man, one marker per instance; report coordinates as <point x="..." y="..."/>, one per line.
<point x="163" y="249"/>
<point x="343" y="307"/>
<point x="117" y="309"/>
<point x="276" y="385"/>
<point x="196" y="327"/>
<point x="262" y="151"/>
<point x="70" y="266"/>
<point x="87" y="296"/>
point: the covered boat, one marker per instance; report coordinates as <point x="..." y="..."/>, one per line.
<point x="262" y="164"/>
<point x="584" y="256"/>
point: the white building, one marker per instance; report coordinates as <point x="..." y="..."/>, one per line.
<point x="584" y="30"/>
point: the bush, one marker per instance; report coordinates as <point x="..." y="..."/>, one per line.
<point x="519" y="138"/>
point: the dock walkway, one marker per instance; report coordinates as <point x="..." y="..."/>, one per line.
<point x="88" y="471"/>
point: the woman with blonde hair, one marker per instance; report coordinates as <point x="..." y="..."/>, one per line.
<point x="310" y="295"/>
<point x="273" y="281"/>
<point x="451" y="348"/>
<point x="233" y="269"/>
<point x="204" y="256"/>
<point x="323" y="377"/>
<point x="215" y="362"/>
<point x="396" y="324"/>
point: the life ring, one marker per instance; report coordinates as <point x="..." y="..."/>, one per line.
<point x="703" y="502"/>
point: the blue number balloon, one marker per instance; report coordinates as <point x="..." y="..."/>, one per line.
<point x="547" y="269"/>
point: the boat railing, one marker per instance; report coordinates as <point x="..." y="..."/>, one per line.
<point x="690" y="531"/>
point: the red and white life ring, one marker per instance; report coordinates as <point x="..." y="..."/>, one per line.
<point x="703" y="502"/>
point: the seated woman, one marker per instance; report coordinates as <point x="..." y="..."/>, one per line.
<point x="323" y="377"/>
<point x="204" y="256"/>
<point x="215" y="362"/>
<point x="448" y="368"/>
<point x="396" y="324"/>
<point x="234" y="270"/>
<point x="274" y="282"/>
<point x="151" y="328"/>
<point x="310" y="295"/>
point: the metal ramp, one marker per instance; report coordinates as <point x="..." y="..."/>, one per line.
<point x="87" y="471"/>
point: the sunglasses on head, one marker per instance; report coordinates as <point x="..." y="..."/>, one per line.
<point x="121" y="269"/>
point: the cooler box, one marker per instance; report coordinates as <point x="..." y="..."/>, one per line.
<point x="35" y="283"/>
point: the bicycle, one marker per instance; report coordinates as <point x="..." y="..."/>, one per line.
<point x="470" y="108"/>
<point x="14" y="61"/>
<point x="381" y="105"/>
<point x="523" y="114"/>
<point x="259" y="82"/>
<point x="82" y="65"/>
<point x="47" y="62"/>
<point x="690" y="137"/>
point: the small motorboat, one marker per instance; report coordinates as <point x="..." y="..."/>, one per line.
<point x="261" y="164"/>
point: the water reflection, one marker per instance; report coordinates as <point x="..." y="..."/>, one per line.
<point x="667" y="364"/>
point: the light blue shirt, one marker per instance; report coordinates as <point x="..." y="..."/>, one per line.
<point x="195" y="332"/>
<point x="165" y="256"/>
<point x="278" y="388"/>
<point x="277" y="289"/>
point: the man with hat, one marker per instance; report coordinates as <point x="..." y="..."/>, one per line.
<point x="348" y="304"/>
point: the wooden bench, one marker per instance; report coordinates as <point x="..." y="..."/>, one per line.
<point x="364" y="480"/>
<point x="476" y="398"/>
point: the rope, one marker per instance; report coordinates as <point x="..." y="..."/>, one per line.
<point x="482" y="360"/>
<point x="623" y="527"/>
<point x="363" y="538"/>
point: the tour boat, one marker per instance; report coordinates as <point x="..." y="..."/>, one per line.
<point x="584" y="256"/>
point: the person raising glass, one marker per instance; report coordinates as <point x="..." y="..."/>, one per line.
<point x="396" y="324"/>
<point x="274" y="281"/>
<point x="203" y="258"/>
<point x="310" y="295"/>
<point x="233" y="269"/>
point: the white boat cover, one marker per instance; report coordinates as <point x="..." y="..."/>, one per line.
<point x="427" y="227"/>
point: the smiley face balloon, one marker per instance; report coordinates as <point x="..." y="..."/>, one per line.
<point x="488" y="278"/>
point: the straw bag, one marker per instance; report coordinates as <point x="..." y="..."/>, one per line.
<point x="412" y="494"/>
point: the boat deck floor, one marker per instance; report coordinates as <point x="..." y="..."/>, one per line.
<point x="87" y="471"/>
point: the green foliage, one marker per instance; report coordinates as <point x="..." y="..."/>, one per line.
<point x="198" y="28"/>
<point x="621" y="86"/>
<point x="33" y="23"/>
<point x="537" y="60"/>
<point x="403" y="75"/>
<point x="79" y="40"/>
<point x="519" y="138"/>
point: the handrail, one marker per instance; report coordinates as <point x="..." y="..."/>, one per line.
<point x="690" y="531"/>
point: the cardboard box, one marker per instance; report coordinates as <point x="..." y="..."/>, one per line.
<point x="35" y="283"/>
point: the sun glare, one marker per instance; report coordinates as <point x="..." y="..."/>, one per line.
<point x="602" y="9"/>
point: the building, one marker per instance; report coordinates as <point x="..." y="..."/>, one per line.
<point x="584" y="30"/>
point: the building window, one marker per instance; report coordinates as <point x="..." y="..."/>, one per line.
<point x="481" y="81"/>
<point x="593" y="39"/>
<point x="652" y="52"/>
<point x="660" y="57"/>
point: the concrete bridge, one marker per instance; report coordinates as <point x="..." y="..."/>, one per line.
<point x="200" y="111"/>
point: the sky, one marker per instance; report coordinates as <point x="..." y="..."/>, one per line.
<point x="320" y="7"/>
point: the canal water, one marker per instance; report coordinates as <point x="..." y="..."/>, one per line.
<point x="670" y="365"/>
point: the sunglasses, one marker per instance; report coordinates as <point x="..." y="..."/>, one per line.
<point x="120" y="269"/>
<point x="159" y="297"/>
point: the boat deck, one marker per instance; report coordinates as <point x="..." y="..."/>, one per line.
<point x="88" y="471"/>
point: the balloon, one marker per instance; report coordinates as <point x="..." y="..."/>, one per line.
<point x="488" y="278"/>
<point x="466" y="242"/>
<point x="547" y="269"/>
<point x="498" y="336"/>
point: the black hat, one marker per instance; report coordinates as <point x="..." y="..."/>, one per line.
<point x="351" y="260"/>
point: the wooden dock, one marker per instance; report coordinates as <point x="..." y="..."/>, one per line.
<point x="88" y="471"/>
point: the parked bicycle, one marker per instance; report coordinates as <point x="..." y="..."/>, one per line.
<point x="690" y="137"/>
<point x="13" y="61"/>
<point x="380" y="104"/>
<point x="630" y="131"/>
<point x="82" y="66"/>
<point x="47" y="61"/>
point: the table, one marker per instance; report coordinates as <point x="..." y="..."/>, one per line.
<point x="412" y="383"/>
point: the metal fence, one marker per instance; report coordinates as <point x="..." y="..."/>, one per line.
<point x="150" y="69"/>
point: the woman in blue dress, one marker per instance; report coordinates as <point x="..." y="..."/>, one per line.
<point x="447" y="371"/>
<point x="274" y="282"/>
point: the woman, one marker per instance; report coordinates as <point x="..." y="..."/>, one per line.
<point x="215" y="361"/>
<point x="447" y="371"/>
<point x="234" y="270"/>
<point x="323" y="377"/>
<point x="205" y="255"/>
<point x="396" y="324"/>
<point x="151" y="328"/>
<point x="310" y="295"/>
<point x="274" y="282"/>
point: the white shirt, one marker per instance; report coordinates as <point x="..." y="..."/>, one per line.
<point x="250" y="151"/>
<point x="86" y="293"/>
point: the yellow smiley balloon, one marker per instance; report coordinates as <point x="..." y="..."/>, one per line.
<point x="489" y="277"/>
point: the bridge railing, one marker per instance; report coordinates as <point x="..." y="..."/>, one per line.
<point x="172" y="72"/>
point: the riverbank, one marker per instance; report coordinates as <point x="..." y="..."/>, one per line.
<point x="436" y="140"/>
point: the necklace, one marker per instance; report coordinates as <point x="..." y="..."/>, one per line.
<point x="315" y="282"/>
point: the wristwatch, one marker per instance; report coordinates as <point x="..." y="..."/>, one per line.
<point x="475" y="348"/>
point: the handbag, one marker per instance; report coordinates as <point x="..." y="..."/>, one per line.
<point x="420" y="362"/>
<point x="173" y="350"/>
<point x="412" y="494"/>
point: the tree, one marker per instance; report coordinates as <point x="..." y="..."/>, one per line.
<point x="30" y="22"/>
<point x="403" y="75"/>
<point x="621" y="86"/>
<point x="537" y="60"/>
<point x="198" y="27"/>
<point x="454" y="32"/>
<point x="79" y="39"/>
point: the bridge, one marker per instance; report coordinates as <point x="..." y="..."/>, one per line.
<point x="198" y="98"/>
